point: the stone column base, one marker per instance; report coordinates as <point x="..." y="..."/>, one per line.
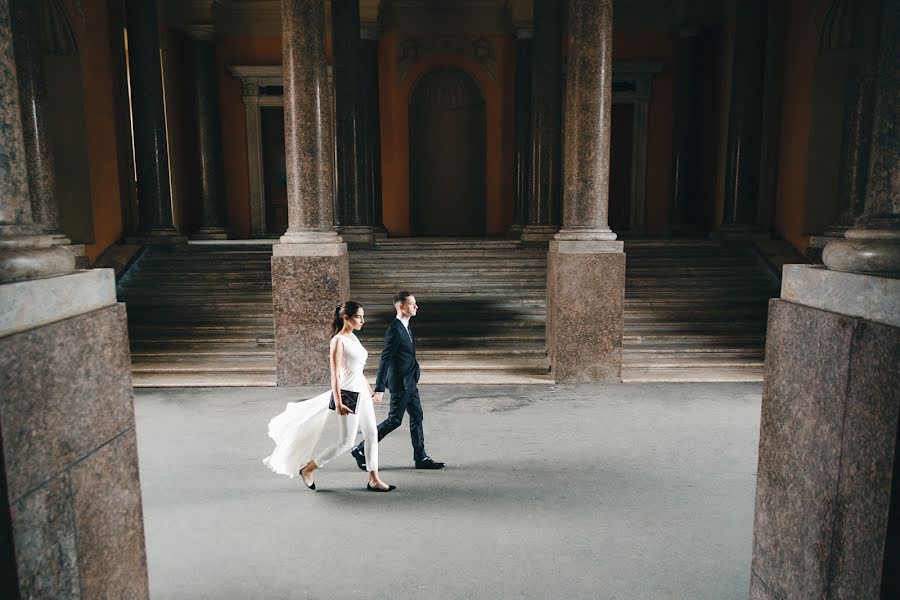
<point x="156" y="240"/>
<point x="585" y="310"/>
<point x="361" y="238"/>
<point x="72" y="500"/>
<point x="826" y="522"/>
<point x="539" y="233"/>
<point x="210" y="233"/>
<point x="739" y="233"/>
<point x="308" y="282"/>
<point x="514" y="232"/>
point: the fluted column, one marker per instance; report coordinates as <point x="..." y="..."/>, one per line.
<point x="546" y="131"/>
<point x="685" y="176"/>
<point x="310" y="265"/>
<point x="25" y="251"/>
<point x="524" y="37"/>
<point x="149" y="124"/>
<point x="371" y="126"/>
<point x="209" y="134"/>
<point x="745" y="118"/>
<point x="586" y="265"/>
<point x="353" y="215"/>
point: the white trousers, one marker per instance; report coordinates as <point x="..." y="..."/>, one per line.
<point x="363" y="420"/>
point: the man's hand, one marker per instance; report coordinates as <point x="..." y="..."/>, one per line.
<point x="376" y="398"/>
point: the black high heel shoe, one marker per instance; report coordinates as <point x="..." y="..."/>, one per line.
<point x="369" y="488"/>
<point x="310" y="486"/>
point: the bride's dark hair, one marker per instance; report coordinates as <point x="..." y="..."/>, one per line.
<point x="345" y="309"/>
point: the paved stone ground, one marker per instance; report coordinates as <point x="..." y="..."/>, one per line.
<point x="551" y="492"/>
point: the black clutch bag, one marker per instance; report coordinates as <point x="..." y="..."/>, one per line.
<point x="348" y="399"/>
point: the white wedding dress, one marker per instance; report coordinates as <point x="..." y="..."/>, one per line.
<point x="297" y="430"/>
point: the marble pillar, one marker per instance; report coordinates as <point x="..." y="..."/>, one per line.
<point x="35" y="127"/>
<point x="872" y="245"/>
<point x="686" y="135"/>
<point x="149" y="125"/>
<point x="353" y="215"/>
<point x="742" y="166"/>
<point x="827" y="521"/>
<point x="856" y="129"/>
<point x="209" y="134"/>
<point x="310" y="264"/>
<point x="25" y="250"/>
<point x="371" y="127"/>
<point x="524" y="37"/>
<point x="70" y="501"/>
<point x="546" y="132"/>
<point x="586" y="264"/>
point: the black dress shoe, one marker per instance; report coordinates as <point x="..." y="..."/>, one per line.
<point x="391" y="488"/>
<point x="429" y="463"/>
<point x="360" y="457"/>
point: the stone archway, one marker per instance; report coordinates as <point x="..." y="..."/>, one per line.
<point x="447" y="155"/>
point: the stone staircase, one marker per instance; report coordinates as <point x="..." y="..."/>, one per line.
<point x="201" y="315"/>
<point x="482" y="306"/>
<point x="695" y="310"/>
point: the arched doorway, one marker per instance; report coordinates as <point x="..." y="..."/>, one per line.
<point x="446" y="155"/>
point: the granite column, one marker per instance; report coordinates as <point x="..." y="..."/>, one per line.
<point x="858" y="108"/>
<point x="149" y="125"/>
<point x="742" y="166"/>
<point x="827" y="522"/>
<point x="70" y="502"/>
<point x="546" y="115"/>
<point x="524" y="37"/>
<point x="353" y="215"/>
<point x="371" y="126"/>
<point x="586" y="265"/>
<point x="209" y="134"/>
<point x="685" y="176"/>
<point x="35" y="127"/>
<point x="310" y="264"/>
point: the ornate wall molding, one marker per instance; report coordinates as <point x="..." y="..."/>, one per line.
<point x="413" y="50"/>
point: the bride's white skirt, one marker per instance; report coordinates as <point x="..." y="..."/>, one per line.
<point x="296" y="432"/>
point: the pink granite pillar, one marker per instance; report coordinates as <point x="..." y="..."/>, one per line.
<point x="586" y="265"/>
<point x="310" y="265"/>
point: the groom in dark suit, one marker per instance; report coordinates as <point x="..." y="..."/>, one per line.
<point x="398" y="370"/>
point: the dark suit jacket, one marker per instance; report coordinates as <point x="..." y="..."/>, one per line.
<point x="398" y="369"/>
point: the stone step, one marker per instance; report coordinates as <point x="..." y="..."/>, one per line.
<point x="179" y="379"/>
<point x="692" y="374"/>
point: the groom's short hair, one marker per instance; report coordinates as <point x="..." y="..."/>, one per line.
<point x="400" y="297"/>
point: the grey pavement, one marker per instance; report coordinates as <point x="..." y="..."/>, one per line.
<point x="624" y="492"/>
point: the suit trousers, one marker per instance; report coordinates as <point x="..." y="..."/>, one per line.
<point x="406" y="401"/>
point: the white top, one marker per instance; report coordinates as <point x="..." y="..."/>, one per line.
<point x="354" y="361"/>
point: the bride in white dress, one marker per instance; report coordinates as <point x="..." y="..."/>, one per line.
<point x="297" y="430"/>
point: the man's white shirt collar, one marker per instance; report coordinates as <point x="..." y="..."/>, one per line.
<point x="405" y="321"/>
